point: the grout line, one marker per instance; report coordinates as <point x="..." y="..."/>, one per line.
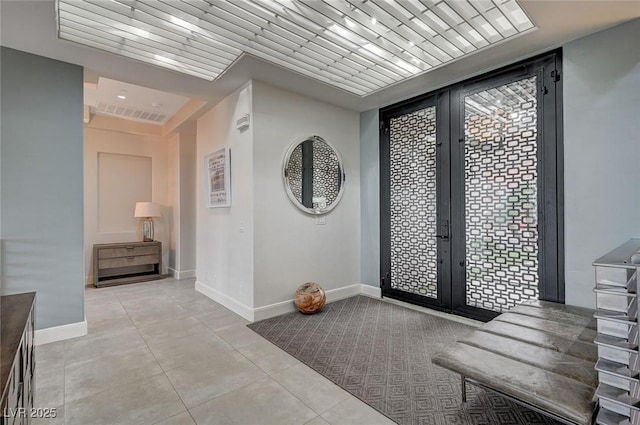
<point x="159" y="365"/>
<point x="165" y="371"/>
<point x="102" y="357"/>
<point x="156" y="359"/>
<point x="295" y="396"/>
<point x="270" y="375"/>
<point x="227" y="393"/>
<point x="137" y="327"/>
<point x="319" y="414"/>
<point x="173" y="416"/>
<point x="192" y="418"/>
<point x="267" y="375"/>
<point x="240" y="325"/>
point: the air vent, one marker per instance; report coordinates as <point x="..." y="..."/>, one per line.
<point x="130" y="113"/>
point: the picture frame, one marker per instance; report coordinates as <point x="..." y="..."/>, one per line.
<point x="217" y="166"/>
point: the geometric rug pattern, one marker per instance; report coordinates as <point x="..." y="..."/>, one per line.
<point x="381" y="353"/>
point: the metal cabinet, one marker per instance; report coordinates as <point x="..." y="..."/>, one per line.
<point x="618" y="364"/>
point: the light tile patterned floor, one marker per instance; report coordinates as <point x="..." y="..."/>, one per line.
<point x="162" y="353"/>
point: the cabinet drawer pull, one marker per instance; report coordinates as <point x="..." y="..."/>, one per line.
<point x="130" y="258"/>
<point x="129" y="247"/>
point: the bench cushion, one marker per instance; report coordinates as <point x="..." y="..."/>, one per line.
<point x="539" y="353"/>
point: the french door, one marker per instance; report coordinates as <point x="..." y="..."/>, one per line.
<point x="470" y="199"/>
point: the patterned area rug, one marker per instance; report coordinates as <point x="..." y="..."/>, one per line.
<point x="381" y="353"/>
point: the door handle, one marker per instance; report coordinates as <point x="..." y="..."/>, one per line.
<point x="444" y="230"/>
<point x="384" y="279"/>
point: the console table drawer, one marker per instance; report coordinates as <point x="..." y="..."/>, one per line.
<point x="128" y="251"/>
<point x="133" y="260"/>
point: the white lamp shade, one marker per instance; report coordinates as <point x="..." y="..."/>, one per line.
<point x="147" y="209"/>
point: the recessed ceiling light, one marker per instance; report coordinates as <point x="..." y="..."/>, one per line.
<point x="122" y="94"/>
<point x="374" y="21"/>
<point x="411" y="43"/>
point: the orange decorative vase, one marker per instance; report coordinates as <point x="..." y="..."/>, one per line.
<point x="310" y="298"/>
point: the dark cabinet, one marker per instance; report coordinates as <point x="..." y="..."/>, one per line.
<point x="17" y="360"/>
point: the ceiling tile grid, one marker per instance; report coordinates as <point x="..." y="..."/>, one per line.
<point x="360" y="46"/>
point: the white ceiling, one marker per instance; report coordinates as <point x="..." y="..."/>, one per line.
<point x="31" y="26"/>
<point x="358" y="46"/>
<point x="132" y="102"/>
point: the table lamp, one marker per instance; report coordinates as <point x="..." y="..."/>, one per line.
<point x="147" y="210"/>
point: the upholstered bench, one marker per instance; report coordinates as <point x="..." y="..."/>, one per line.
<point x="539" y="354"/>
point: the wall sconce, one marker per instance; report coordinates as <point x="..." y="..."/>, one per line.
<point x="147" y="210"/>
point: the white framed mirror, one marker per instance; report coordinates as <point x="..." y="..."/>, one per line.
<point x="313" y="175"/>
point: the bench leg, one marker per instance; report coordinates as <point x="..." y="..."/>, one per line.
<point x="464" y="388"/>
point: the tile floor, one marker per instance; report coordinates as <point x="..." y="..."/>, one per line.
<point x="161" y="353"/>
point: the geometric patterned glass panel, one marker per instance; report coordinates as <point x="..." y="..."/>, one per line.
<point x="326" y="175"/>
<point x="412" y="139"/>
<point x="501" y="206"/>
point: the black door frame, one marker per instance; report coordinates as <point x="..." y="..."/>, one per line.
<point x="450" y="153"/>
<point x="440" y="100"/>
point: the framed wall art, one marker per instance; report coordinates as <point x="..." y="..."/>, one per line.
<point x="218" y="178"/>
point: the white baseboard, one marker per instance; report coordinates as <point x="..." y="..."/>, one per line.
<point x="233" y="305"/>
<point x="60" y="333"/>
<point x="283" y="307"/>
<point x="272" y="310"/>
<point x="342" y="293"/>
<point x="371" y="291"/>
<point x="182" y="274"/>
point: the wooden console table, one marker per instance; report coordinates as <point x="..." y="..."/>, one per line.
<point x="120" y="263"/>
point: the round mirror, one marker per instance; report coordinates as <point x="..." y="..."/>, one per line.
<point x="313" y="175"/>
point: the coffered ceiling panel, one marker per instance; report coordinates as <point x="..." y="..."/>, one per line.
<point x="360" y="46"/>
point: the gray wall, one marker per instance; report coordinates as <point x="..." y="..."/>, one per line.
<point x="602" y="157"/>
<point x="41" y="184"/>
<point x="602" y="151"/>
<point x="370" y="198"/>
